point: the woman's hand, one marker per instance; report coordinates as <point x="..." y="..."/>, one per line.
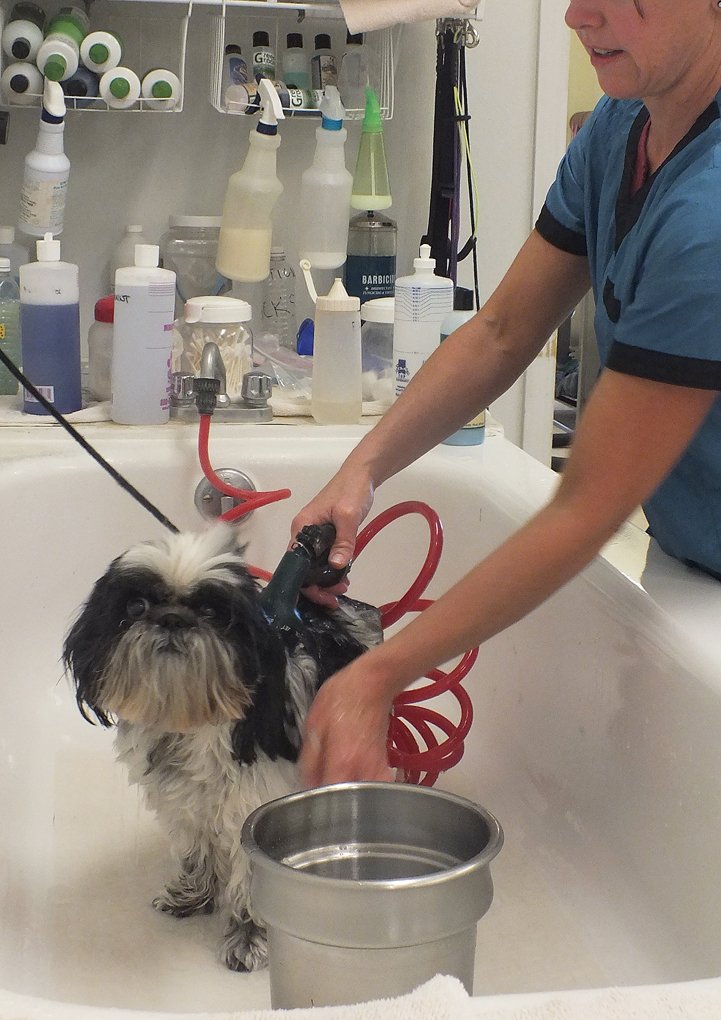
<point x="344" y="502"/>
<point x="346" y="730"/>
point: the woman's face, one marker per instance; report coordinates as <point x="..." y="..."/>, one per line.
<point x="648" y="48"/>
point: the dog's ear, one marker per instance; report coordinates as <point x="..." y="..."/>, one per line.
<point x="89" y="643"/>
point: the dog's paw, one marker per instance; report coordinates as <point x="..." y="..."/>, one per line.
<point x="181" y="903"/>
<point x="245" y="947"/>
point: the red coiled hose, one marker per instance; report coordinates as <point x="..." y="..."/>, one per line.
<point x="410" y="722"/>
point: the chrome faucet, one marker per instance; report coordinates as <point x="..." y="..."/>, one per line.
<point x="252" y="407"/>
<point x="212" y="366"/>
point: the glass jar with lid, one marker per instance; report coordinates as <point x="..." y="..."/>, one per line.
<point x="221" y="320"/>
<point x="190" y="247"/>
<point x="377" y="350"/>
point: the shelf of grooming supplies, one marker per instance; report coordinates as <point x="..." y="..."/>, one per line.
<point x="154" y="34"/>
<point x="238" y="19"/>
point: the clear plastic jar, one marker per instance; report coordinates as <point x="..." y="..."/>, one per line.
<point x="190" y="247"/>
<point x="377" y="350"/>
<point x="221" y="320"/>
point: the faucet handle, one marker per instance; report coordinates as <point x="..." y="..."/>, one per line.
<point x="182" y="389"/>
<point x="257" y="388"/>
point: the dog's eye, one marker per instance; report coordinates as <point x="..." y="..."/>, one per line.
<point x="136" y="608"/>
<point x="207" y="613"/>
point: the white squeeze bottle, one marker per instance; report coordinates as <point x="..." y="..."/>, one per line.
<point x="337" y="386"/>
<point x="325" y="190"/>
<point x="422" y="302"/>
<point x="246" y="229"/>
<point x="142" y="340"/>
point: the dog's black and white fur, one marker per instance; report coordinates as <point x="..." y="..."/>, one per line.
<point x="209" y="700"/>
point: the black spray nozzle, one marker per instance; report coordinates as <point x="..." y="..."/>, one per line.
<point x="305" y="563"/>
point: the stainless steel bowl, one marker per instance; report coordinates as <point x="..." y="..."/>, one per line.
<point x="369" y="889"/>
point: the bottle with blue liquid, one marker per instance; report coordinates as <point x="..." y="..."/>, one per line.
<point x="50" y="329"/>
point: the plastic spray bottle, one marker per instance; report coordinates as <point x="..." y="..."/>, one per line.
<point x="50" y="327"/>
<point x="371" y="189"/>
<point x="246" y="229"/>
<point x="326" y="189"/>
<point x="337" y="387"/>
<point x="422" y="302"/>
<point x="142" y="340"/>
<point x="47" y="169"/>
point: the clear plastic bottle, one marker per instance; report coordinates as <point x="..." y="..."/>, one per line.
<point x="9" y="325"/>
<point x="278" y="308"/>
<point x="422" y="302"/>
<point x="13" y="250"/>
<point x="247" y="229"/>
<point x="142" y="340"/>
<point x="370" y="268"/>
<point x="295" y="68"/>
<point x="337" y="387"/>
<point x="100" y="349"/>
<point x="50" y="329"/>
<point x="190" y="248"/>
<point x="47" y="170"/>
<point x="354" y="73"/>
<point x="371" y="187"/>
<point x="263" y="56"/>
<point x="325" y="190"/>
<point x="323" y="68"/>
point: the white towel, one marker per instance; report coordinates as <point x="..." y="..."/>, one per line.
<point x="441" y="998"/>
<point x="367" y="15"/>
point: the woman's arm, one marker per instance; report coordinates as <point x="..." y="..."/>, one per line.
<point x="476" y="364"/>
<point x="631" y="434"/>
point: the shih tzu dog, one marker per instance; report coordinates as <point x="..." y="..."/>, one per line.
<point x="174" y="647"/>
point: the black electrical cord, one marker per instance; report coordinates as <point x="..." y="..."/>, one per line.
<point x="471" y="244"/>
<point x="98" y="458"/>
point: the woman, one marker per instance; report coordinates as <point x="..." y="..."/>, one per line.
<point x="636" y="212"/>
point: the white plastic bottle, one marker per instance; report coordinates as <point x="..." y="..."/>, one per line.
<point x="337" y="386"/>
<point x="120" y="88"/>
<point x="100" y="349"/>
<point x="47" y="170"/>
<point x="142" y="340"/>
<point x="23" y="34"/>
<point x="246" y="230"/>
<point x="422" y="302"/>
<point x="13" y="250"/>
<point x="101" y="51"/>
<point x="59" y="54"/>
<point x="325" y="191"/>
<point x="124" y="252"/>
<point x="162" y="89"/>
<point x="21" y="83"/>
<point x="50" y="327"/>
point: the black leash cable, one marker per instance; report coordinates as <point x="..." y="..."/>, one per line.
<point x="97" y="457"/>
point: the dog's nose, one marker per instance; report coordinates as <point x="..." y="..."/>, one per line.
<point x="173" y="617"/>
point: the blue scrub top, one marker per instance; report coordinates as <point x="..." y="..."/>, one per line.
<point x="655" y="261"/>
